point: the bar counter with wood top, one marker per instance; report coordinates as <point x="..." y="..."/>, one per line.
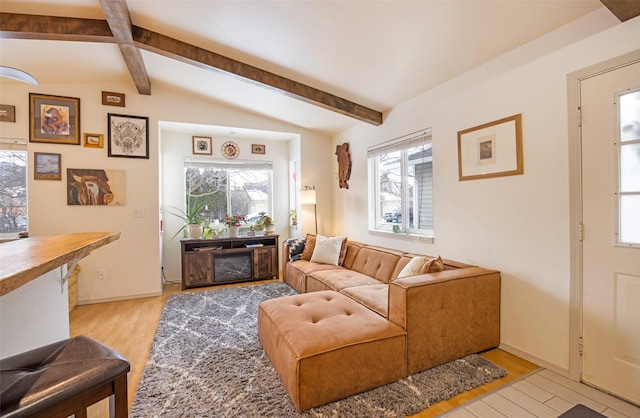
<point x="33" y="287"/>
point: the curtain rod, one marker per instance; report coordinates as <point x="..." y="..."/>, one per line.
<point x="425" y="131"/>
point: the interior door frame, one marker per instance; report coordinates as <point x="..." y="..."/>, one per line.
<point x="575" y="202"/>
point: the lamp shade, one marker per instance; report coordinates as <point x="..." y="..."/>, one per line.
<point x="307" y="197"/>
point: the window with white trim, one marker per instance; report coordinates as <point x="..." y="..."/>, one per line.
<point x="628" y="156"/>
<point x="401" y="180"/>
<point x="13" y="188"/>
<point x="229" y="188"/>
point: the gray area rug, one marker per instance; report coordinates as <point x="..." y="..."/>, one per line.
<point x="206" y="361"/>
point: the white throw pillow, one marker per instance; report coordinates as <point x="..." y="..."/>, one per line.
<point x="327" y="250"/>
<point x="413" y="267"/>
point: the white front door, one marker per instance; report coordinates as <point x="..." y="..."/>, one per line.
<point x="611" y="234"/>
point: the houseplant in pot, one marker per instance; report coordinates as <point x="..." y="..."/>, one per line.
<point x="192" y="220"/>
<point x="267" y="223"/>
<point x="233" y="222"/>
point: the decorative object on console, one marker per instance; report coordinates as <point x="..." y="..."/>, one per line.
<point x="202" y="145"/>
<point x="128" y="136"/>
<point x="230" y="150"/>
<point x="344" y="164"/>
<point x="191" y="218"/>
<point x="491" y="150"/>
<point x="54" y="119"/>
<point x="233" y="222"/>
<point x="258" y="149"/>
<point x="93" y="140"/>
<point x="89" y="187"/>
<point x="308" y="197"/>
<point x="112" y="99"/>
<point x="7" y="113"/>
<point x="266" y="222"/>
<point x="47" y="166"/>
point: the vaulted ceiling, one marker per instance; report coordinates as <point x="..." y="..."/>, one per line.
<point x="322" y="65"/>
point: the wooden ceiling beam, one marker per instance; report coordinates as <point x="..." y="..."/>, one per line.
<point x="623" y="9"/>
<point x="191" y="54"/>
<point x="21" y="26"/>
<point x="53" y="28"/>
<point x="117" y="14"/>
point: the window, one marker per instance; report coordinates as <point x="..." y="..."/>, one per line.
<point x="13" y="189"/>
<point x="628" y="188"/>
<point x="401" y="176"/>
<point x="229" y="188"/>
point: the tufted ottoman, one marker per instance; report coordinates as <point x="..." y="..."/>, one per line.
<point x="325" y="346"/>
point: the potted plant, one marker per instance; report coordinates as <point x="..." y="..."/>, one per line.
<point x="192" y="220"/>
<point x="293" y="214"/>
<point x="233" y="222"/>
<point x="267" y="222"/>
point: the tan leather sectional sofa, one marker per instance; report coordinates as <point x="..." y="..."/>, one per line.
<point x="438" y="317"/>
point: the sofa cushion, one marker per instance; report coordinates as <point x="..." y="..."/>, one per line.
<point x="296" y="247"/>
<point x="327" y="250"/>
<point x="413" y="267"/>
<point x="433" y="265"/>
<point x="373" y="296"/>
<point x="376" y="262"/>
<point x="310" y="246"/>
<point x="338" y="279"/>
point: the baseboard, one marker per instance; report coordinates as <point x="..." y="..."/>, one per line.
<point x="117" y="299"/>
<point x="535" y="360"/>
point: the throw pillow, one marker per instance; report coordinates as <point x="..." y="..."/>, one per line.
<point x="309" y="246"/>
<point x="343" y="251"/>
<point x="296" y="246"/>
<point x="413" y="267"/>
<point x="327" y="250"/>
<point x="432" y="266"/>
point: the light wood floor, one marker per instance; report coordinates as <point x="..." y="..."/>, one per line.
<point x="129" y="327"/>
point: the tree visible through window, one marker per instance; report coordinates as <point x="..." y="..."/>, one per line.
<point x="222" y="189"/>
<point x="401" y="175"/>
<point x="13" y="192"/>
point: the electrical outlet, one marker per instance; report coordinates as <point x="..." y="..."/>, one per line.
<point x="102" y="274"/>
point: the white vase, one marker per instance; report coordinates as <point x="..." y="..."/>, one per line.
<point x="195" y="231"/>
<point x="233" y="231"/>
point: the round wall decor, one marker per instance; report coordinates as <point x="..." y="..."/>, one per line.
<point x="230" y="149"/>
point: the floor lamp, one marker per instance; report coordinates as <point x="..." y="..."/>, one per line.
<point x="308" y="197"/>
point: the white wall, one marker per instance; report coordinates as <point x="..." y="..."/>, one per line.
<point x="176" y="146"/>
<point x="133" y="262"/>
<point x="518" y="224"/>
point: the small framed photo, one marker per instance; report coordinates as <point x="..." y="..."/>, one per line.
<point x="202" y="145"/>
<point x="128" y="136"/>
<point x="7" y="113"/>
<point x="47" y="166"/>
<point x="112" y="99"/>
<point x="258" y="149"/>
<point x="93" y="140"/>
<point x="54" y="119"/>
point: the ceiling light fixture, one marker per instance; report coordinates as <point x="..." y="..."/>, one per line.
<point x="19" y="75"/>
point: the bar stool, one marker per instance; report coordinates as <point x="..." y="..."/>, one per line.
<point x="63" y="379"/>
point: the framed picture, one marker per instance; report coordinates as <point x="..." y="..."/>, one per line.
<point x="54" y="119"/>
<point x="93" y="140"/>
<point x="47" y="166"/>
<point x="93" y="187"/>
<point x="112" y="99"/>
<point x="258" y="149"/>
<point x="7" y="113"/>
<point x="128" y="136"/>
<point x="202" y="145"/>
<point x="491" y="150"/>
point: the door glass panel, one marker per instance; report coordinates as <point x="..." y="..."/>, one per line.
<point x="630" y="116"/>
<point x="630" y="168"/>
<point x="629" y="219"/>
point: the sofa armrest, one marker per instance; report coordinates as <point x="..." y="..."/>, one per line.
<point x="447" y="315"/>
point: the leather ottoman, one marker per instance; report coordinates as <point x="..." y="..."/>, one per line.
<point x="325" y="346"/>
